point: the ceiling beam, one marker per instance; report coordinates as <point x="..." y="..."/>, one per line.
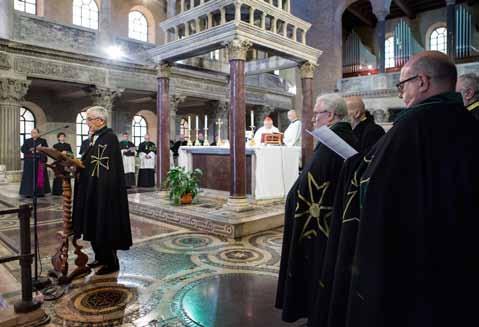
<point x="359" y="15"/>
<point x="405" y="8"/>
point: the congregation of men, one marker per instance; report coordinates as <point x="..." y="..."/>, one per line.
<point x="386" y="237"/>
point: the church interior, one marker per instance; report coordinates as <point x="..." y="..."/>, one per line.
<point x="172" y="69"/>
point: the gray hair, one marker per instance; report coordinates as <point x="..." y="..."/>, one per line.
<point x="335" y="104"/>
<point x="98" y="112"/>
<point x="437" y="65"/>
<point x="470" y="81"/>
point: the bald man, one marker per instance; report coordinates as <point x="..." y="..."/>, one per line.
<point x="416" y="253"/>
<point x="468" y="86"/>
<point x="364" y="127"/>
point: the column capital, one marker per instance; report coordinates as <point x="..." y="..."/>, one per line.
<point x="105" y="97"/>
<point x="163" y="70"/>
<point x="237" y="49"/>
<point x="307" y="70"/>
<point x="13" y="90"/>
<point x="381" y="14"/>
<point x="175" y="100"/>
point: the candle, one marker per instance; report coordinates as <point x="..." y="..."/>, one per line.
<point x="197" y="122"/>
<point x="252" y="118"/>
<point x="189" y="122"/>
<point x="206" y="121"/>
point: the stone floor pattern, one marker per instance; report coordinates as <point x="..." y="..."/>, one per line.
<point x="170" y="277"/>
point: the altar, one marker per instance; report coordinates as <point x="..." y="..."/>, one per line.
<point x="270" y="170"/>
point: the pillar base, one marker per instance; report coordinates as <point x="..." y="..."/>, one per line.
<point x="237" y="204"/>
<point x="14" y="176"/>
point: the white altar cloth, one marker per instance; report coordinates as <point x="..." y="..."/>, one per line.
<point x="274" y="168"/>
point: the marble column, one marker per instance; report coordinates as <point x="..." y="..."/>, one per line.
<point x="12" y="92"/>
<point x="171" y="8"/>
<point x="163" y="124"/>
<point x="237" y="57"/>
<point x="106" y="97"/>
<point x="307" y="142"/>
<point x="451" y="28"/>
<point x="6" y="19"/>
<point x="381" y="39"/>
<point x="174" y="103"/>
<point x="105" y="35"/>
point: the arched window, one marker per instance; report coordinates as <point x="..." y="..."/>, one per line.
<point x="438" y="39"/>
<point x="27" y="123"/>
<point x="85" y="13"/>
<point x="28" y="6"/>
<point x="137" y="26"/>
<point x="139" y="128"/>
<point x="389" y="53"/>
<point x="81" y="130"/>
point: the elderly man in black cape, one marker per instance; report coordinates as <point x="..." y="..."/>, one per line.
<point x="331" y="299"/>
<point x="308" y="214"/>
<point x="416" y="253"/>
<point x="468" y="86"/>
<point x="100" y="210"/>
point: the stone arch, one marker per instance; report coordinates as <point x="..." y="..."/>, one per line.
<point x="430" y="29"/>
<point x="38" y="112"/>
<point x="150" y="20"/>
<point x="151" y="121"/>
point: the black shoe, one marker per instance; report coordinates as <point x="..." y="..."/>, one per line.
<point x="105" y="270"/>
<point x="94" y="264"/>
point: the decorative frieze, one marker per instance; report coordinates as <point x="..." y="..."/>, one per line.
<point x="5" y="61"/>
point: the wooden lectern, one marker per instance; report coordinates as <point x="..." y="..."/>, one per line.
<point x="64" y="167"/>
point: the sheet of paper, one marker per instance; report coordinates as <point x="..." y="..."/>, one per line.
<point x="333" y="141"/>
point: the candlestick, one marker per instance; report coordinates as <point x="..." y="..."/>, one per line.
<point x="205" y="142"/>
<point x="206" y="121"/>
<point x="197" y="125"/>
<point x="219" y="142"/>
<point x="189" y="132"/>
<point x="252" y="117"/>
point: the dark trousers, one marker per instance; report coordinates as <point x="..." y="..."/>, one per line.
<point x="105" y="254"/>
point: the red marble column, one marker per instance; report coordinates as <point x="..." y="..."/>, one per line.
<point x="237" y="124"/>
<point x="163" y="125"/>
<point x="307" y="141"/>
<point x="237" y="129"/>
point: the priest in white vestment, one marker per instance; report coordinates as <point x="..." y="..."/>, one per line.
<point x="147" y="154"/>
<point x="267" y="128"/>
<point x="128" y="151"/>
<point x="292" y="135"/>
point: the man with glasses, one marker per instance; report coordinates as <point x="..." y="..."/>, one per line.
<point x="416" y="250"/>
<point x="308" y="214"/>
<point x="100" y="207"/>
<point x="468" y="86"/>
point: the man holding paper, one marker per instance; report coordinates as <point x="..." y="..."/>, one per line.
<point x="309" y="209"/>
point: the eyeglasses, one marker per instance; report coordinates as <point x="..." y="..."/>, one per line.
<point x="92" y="118"/>
<point x="400" y="85"/>
<point x="319" y="112"/>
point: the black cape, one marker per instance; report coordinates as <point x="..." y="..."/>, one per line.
<point x="85" y="144"/>
<point x="307" y="221"/>
<point x="26" y="186"/>
<point x="332" y="297"/>
<point x="368" y="133"/>
<point x="100" y="211"/>
<point x="416" y="253"/>
<point x="57" y="188"/>
<point x="474" y="109"/>
<point x="146" y="176"/>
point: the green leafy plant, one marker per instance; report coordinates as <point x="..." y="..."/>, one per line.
<point x="179" y="182"/>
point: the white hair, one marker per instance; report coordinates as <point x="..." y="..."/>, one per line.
<point x="98" y="112"/>
<point x="471" y="81"/>
<point x="334" y="104"/>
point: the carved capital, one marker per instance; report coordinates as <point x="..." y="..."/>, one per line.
<point x="220" y="109"/>
<point x="13" y="90"/>
<point x="307" y="70"/>
<point x="104" y="97"/>
<point x="5" y="61"/>
<point x="163" y="71"/>
<point x="237" y="49"/>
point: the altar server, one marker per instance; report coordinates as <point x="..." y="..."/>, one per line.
<point x="147" y="154"/>
<point x="292" y="135"/>
<point x="128" y="152"/>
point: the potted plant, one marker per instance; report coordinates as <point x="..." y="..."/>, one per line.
<point x="183" y="186"/>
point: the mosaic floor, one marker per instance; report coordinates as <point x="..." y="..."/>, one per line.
<point x="170" y="277"/>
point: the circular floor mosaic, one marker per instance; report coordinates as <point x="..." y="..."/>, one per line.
<point x="104" y="300"/>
